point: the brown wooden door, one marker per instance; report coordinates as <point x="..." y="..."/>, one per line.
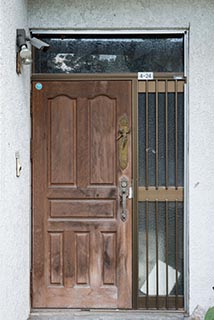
<point x="82" y="250"/>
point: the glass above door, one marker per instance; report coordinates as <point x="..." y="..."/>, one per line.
<point x="110" y="54"/>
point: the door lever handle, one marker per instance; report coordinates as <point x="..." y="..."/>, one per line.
<point x="124" y="190"/>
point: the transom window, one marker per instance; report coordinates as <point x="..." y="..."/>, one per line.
<point x="110" y="54"/>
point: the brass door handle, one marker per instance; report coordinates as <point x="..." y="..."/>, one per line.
<point x="122" y="139"/>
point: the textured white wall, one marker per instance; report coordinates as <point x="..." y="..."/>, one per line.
<point x="166" y="14"/>
<point x="14" y="192"/>
<point x="199" y="15"/>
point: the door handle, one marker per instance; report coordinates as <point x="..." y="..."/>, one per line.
<point x="124" y="191"/>
<point x="122" y="138"/>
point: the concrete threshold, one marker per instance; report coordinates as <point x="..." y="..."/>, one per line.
<point x="103" y="315"/>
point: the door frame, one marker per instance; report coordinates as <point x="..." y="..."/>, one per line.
<point x="134" y="79"/>
<point x="185" y="30"/>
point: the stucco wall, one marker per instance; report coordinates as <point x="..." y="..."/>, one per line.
<point x="142" y="14"/>
<point x="14" y="192"/>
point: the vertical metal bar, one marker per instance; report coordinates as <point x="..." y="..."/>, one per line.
<point x="135" y="189"/>
<point x="166" y="110"/>
<point x="147" y="135"/>
<point x="186" y="175"/>
<point x="186" y="52"/>
<point x="182" y="254"/>
<point x="167" y="177"/>
<point x="147" y="254"/>
<point x="156" y="102"/>
<point x="176" y="251"/>
<point x="167" y="252"/>
<point x="176" y="134"/>
<point x="157" y="269"/>
<point x="186" y="199"/>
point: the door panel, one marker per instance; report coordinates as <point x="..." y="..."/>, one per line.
<point x="82" y="253"/>
<point x="62" y="151"/>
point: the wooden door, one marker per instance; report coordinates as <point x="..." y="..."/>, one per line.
<point x="82" y="246"/>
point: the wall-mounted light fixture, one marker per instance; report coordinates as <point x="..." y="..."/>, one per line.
<point x="24" y="55"/>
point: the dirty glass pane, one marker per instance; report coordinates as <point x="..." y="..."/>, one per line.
<point x="157" y="241"/>
<point x="170" y="157"/>
<point x="171" y="138"/>
<point x="151" y="249"/>
<point x="142" y="138"/>
<point x="172" y="247"/>
<point x="161" y="139"/>
<point x="151" y="150"/>
<point x="180" y="248"/>
<point x="152" y="139"/>
<point x="84" y="54"/>
<point x="180" y="139"/>
<point x="161" y="248"/>
<point x="142" y="247"/>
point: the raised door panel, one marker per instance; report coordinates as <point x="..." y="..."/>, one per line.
<point x="82" y="258"/>
<point x="56" y="259"/>
<point x="81" y="209"/>
<point x="109" y="258"/>
<point x="62" y="140"/>
<point x="102" y="130"/>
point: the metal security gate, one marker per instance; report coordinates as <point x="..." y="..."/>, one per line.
<point x="160" y="194"/>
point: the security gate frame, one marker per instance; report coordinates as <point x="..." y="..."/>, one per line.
<point x="156" y="194"/>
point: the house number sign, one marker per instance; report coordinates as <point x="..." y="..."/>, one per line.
<point x="145" y="76"/>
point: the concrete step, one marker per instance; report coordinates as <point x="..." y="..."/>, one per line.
<point x="103" y="315"/>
